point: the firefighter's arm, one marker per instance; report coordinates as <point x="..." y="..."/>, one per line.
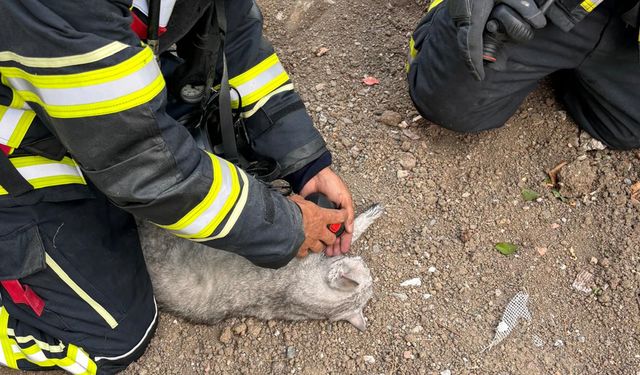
<point x="101" y="93"/>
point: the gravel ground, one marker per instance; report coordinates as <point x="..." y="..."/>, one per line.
<point x="450" y="198"/>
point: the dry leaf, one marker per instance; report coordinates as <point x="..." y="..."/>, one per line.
<point x="553" y="174"/>
<point x="370" y="81"/>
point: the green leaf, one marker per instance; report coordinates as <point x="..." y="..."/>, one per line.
<point x="556" y="193"/>
<point x="529" y="195"/>
<point x="506" y="248"/>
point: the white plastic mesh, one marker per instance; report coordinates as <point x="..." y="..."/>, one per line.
<point x="516" y="309"/>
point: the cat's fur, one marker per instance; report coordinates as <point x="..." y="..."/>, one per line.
<point x="206" y="285"/>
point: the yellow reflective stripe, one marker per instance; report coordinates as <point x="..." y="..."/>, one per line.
<point x="81" y="293"/>
<point x="589" y="5"/>
<point x="64" y="61"/>
<point x="5" y="341"/>
<point x="254" y="71"/>
<point x="205" y="217"/>
<point x="42" y="172"/>
<point x="205" y="203"/>
<point x="41" y="344"/>
<point x="258" y="81"/>
<point x="413" y="52"/>
<point x="14" y="124"/>
<point x="237" y="210"/>
<point x="264" y="99"/>
<point x="90" y="78"/>
<point x="100" y="92"/>
<point x="222" y="213"/>
<point x="433" y="4"/>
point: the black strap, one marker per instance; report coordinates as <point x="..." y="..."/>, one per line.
<point x="10" y="179"/>
<point x="224" y="101"/>
<point x="153" y="26"/>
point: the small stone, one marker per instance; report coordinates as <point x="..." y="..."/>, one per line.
<point x="555" y="226"/>
<point x="593" y="260"/>
<point x="558" y="343"/>
<point x="541" y="250"/>
<point x="271" y="323"/>
<point x="255" y="330"/>
<point x="402" y="174"/>
<point x="417" y="329"/>
<point x="405" y="146"/>
<point x="416" y="118"/>
<point x="321" y="51"/>
<point x="407" y="161"/>
<point x="403" y="125"/>
<point x="412" y="282"/>
<point x="401" y="296"/>
<point x="225" y="336"/>
<point x="466" y="235"/>
<point x="368" y="359"/>
<point x="320" y="86"/>
<point x="432" y="269"/>
<point x="390" y="118"/>
<point x="408" y="355"/>
<point x="445" y="372"/>
<point x="426" y="296"/>
<point x="291" y="352"/>
<point x="240" y="329"/>
<point x="466" y="194"/>
<point x="411" y="135"/>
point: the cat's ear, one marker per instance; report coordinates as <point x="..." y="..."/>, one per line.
<point x="357" y="319"/>
<point x="346" y="281"/>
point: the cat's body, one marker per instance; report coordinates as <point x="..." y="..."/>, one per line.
<point x="207" y="285"/>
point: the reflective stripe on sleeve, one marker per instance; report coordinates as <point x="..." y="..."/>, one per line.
<point x="64" y="61"/>
<point x="205" y="217"/>
<point x="590" y="5"/>
<point x="258" y="81"/>
<point x="434" y="4"/>
<point x="103" y="91"/>
<point x="14" y="124"/>
<point x="42" y="172"/>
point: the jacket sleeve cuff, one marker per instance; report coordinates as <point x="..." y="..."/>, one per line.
<point x="300" y="177"/>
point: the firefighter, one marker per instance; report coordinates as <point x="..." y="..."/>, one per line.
<point x="472" y="62"/>
<point x="90" y="138"/>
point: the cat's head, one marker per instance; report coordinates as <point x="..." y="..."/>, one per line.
<point x="335" y="288"/>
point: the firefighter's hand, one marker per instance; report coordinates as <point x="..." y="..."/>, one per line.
<point x="315" y="219"/>
<point x="470" y="18"/>
<point x="332" y="186"/>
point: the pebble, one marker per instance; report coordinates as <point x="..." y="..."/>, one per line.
<point x="240" y="329"/>
<point x="400" y="296"/>
<point x="225" y="336"/>
<point x="402" y="173"/>
<point x="445" y="372"/>
<point x="291" y="352"/>
<point x="558" y="343"/>
<point x="412" y="282"/>
<point x="432" y="269"/>
<point x="405" y="146"/>
<point x="593" y="260"/>
<point x="417" y="329"/>
<point x="407" y="161"/>
<point x="390" y="118"/>
<point x="369" y="359"/>
<point x="426" y="296"/>
<point x="408" y="355"/>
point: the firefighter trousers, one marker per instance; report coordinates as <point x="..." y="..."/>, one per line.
<point x="83" y="259"/>
<point x="595" y="67"/>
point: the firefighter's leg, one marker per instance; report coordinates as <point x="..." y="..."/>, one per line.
<point x="83" y="259"/>
<point x="602" y="94"/>
<point x="444" y="91"/>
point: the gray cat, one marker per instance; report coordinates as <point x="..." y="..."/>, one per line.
<point x="208" y="285"/>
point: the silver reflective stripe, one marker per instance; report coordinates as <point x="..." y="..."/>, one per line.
<point x="260" y="81"/>
<point x="212" y="211"/>
<point x="131" y="83"/>
<point x="8" y="124"/>
<point x="48" y="170"/>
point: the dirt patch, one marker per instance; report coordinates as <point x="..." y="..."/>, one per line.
<point x="450" y="198"/>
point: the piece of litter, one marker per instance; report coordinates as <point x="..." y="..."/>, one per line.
<point x="537" y="341"/>
<point x="502" y="327"/>
<point x="516" y="309"/>
<point x="412" y="282"/>
<point x="583" y="282"/>
<point x="370" y="81"/>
